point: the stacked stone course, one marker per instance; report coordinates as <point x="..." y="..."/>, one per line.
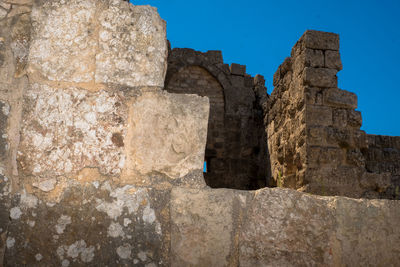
<point x="236" y="151"/>
<point x="314" y="132"/>
<point x="101" y="167"/>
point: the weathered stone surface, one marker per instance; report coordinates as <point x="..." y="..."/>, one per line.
<point x="21" y="38"/>
<point x="320" y="77"/>
<point x="67" y="129"/>
<point x="318" y="115"/>
<point x="321" y="40"/>
<point x="237" y="69"/>
<point x="94" y="224"/>
<point x="309" y="230"/>
<point x="204" y="226"/>
<point x="64" y="41"/>
<point x="105" y="42"/>
<point x="287" y="228"/>
<point x="332" y="60"/>
<point x="167" y="134"/>
<point x="340" y="98"/>
<point x="132" y="46"/>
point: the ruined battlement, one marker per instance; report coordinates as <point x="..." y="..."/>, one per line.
<point x="104" y="131"/>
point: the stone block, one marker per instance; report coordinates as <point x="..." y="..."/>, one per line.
<point x="237" y="81"/>
<point x="132" y="46"/>
<point x="204" y="225"/>
<point x="320" y="77"/>
<point x="313" y="58"/>
<point x="354" y="118"/>
<point x="318" y="115"/>
<point x="298" y="231"/>
<point x="318" y="156"/>
<point x="237" y="69"/>
<point x="67" y="129"/>
<point x="321" y="40"/>
<point x="340" y="98"/>
<point x="332" y="60"/>
<point x="340" y="117"/>
<point x="167" y="134"/>
<point x="64" y="40"/>
<point x="105" y="42"/>
<point x="94" y="224"/>
<point x="371" y="241"/>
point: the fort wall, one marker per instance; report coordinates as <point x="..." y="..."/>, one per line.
<point x="100" y="166"/>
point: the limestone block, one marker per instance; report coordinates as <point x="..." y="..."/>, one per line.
<point x="237" y="69"/>
<point x="321" y="40"/>
<point x="4" y="113"/>
<point x="64" y="41"/>
<point x="332" y="60"/>
<point x="313" y="58"/>
<point x="92" y="41"/>
<point x="367" y="230"/>
<point x="204" y="226"/>
<point x="93" y="224"/>
<point x="340" y="98"/>
<point x="304" y="230"/>
<point x="67" y="129"/>
<point x="287" y="228"/>
<point x="132" y="46"/>
<point x="318" y="115"/>
<point x="320" y="77"/>
<point x="167" y="134"/>
<point x="355" y="118"/>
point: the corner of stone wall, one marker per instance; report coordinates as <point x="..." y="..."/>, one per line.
<point x="314" y="129"/>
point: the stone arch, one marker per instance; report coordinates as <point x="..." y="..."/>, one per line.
<point x="198" y="80"/>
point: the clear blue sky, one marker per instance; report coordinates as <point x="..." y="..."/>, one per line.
<point x="261" y="33"/>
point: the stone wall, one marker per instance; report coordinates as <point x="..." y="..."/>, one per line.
<point x="383" y="156"/>
<point x="86" y="129"/>
<point x="315" y="140"/>
<point x="236" y="151"/>
<point x="101" y="167"/>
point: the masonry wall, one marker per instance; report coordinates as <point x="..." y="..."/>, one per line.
<point x="236" y="152"/>
<point x="383" y="156"/>
<point x="330" y="147"/>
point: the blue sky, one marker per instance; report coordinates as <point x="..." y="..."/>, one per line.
<point x="261" y="33"/>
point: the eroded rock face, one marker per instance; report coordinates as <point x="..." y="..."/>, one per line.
<point x="66" y="129"/>
<point x="281" y="227"/>
<point x="167" y="134"/>
<point x="85" y="41"/>
<point x="93" y="224"/>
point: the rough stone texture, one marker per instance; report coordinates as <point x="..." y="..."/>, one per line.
<point x="100" y="160"/>
<point x="314" y="135"/>
<point x="133" y="46"/>
<point x="383" y="156"/>
<point x="236" y="151"/>
<point x="167" y="134"/>
<point x="67" y="129"/>
<point x="205" y="226"/>
<point x="93" y="224"/>
<point x="105" y="42"/>
<point x="281" y="227"/>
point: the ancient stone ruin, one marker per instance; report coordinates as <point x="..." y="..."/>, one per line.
<point x="104" y="131"/>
